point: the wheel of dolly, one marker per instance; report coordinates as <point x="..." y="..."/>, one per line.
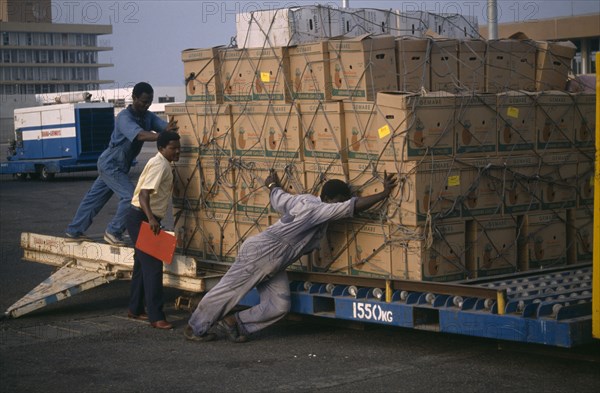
<point x="45" y="175"/>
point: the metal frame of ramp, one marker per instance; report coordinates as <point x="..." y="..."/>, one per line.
<point x="66" y="282"/>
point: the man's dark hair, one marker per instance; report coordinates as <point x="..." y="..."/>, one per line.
<point x="165" y="137"/>
<point x="335" y="187"/>
<point x="142" y="88"/>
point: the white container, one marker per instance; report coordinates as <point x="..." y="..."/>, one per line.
<point x="282" y="27"/>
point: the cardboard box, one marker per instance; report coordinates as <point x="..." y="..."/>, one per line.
<point x="476" y="125"/>
<point x="491" y="247"/>
<point x="248" y="131"/>
<point x="252" y="196"/>
<point x="554" y="121"/>
<point x="471" y="64"/>
<point x="282" y="131"/>
<point x="347" y="22"/>
<point x="412" y="64"/>
<point x="516" y="122"/>
<point x="522" y="188"/>
<point x="553" y="63"/>
<point x="362" y="66"/>
<point x="482" y="187"/>
<point x="217" y="185"/>
<point x="369" y="250"/>
<point x="282" y="27"/>
<point x="444" y="65"/>
<point x="366" y="178"/>
<point x="411" y="23"/>
<point x="585" y="120"/>
<point x="202" y="74"/>
<point x="426" y="189"/>
<point x="438" y="255"/>
<point x="247" y="226"/>
<point x="546" y="240"/>
<point x="188" y="231"/>
<point x="237" y="75"/>
<point x="454" y="25"/>
<point x="186" y="116"/>
<point x="310" y="76"/>
<point x="585" y="180"/>
<point x="510" y="65"/>
<point x="220" y="240"/>
<point x="558" y="181"/>
<point x="584" y="229"/>
<point x="256" y="74"/>
<point x="214" y="131"/>
<point x="332" y="255"/>
<point x="318" y="172"/>
<point x="187" y="189"/>
<point x="323" y="131"/>
<point x="378" y="21"/>
<point x="361" y="121"/>
<point x="415" y="125"/>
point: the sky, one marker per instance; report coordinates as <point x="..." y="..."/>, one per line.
<point x="149" y="35"/>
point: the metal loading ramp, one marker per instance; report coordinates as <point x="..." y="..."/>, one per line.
<point x="551" y="307"/>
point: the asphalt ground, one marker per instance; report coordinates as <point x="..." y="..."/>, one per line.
<point x="86" y="343"/>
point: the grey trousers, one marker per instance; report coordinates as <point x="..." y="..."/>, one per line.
<point x="261" y="263"/>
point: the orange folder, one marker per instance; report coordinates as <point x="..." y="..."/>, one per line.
<point x="161" y="246"/>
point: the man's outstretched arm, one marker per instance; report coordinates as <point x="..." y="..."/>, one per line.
<point x="366" y="202"/>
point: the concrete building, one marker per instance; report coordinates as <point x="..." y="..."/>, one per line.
<point x="39" y="56"/>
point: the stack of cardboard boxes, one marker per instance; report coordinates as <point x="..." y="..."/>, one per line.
<point x="491" y="180"/>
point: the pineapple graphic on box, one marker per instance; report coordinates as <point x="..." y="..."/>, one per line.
<point x="354" y="142"/>
<point x="538" y="248"/>
<point x="472" y="198"/>
<point x="243" y="191"/>
<point x="312" y="143"/>
<point x="513" y="196"/>
<point x="258" y="83"/>
<point x="358" y="259"/>
<point x="584" y="132"/>
<point x="466" y="133"/>
<point x="191" y="86"/>
<point x="547" y="130"/>
<point x="588" y="187"/>
<point x="507" y="134"/>
<point x="205" y="136"/>
<point x="487" y="256"/>
<point x="181" y="238"/>
<point x="584" y="241"/>
<point x="272" y="141"/>
<point x="241" y="139"/>
<point x="210" y="242"/>
<point x="298" y="80"/>
<point x="418" y="138"/>
<point x="228" y="87"/>
<point x="432" y="263"/>
<point x="550" y="193"/>
<point x="426" y="199"/>
<point x="337" y="79"/>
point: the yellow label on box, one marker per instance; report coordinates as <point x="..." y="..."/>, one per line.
<point x="453" y="181"/>
<point x="384" y="131"/>
<point x="512" y="112"/>
<point x="265" y="77"/>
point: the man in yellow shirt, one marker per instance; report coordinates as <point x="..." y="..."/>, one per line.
<point x="149" y="203"/>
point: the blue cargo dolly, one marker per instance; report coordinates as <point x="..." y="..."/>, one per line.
<point x="551" y="307"/>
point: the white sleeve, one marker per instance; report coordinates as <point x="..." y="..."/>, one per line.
<point x="325" y="212"/>
<point x="281" y="201"/>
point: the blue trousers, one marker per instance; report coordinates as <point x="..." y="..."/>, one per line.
<point x="109" y="182"/>
<point x="146" y="281"/>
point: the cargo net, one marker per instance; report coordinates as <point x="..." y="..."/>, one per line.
<point x="494" y="157"/>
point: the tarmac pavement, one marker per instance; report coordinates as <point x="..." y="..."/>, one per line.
<point x="86" y="343"/>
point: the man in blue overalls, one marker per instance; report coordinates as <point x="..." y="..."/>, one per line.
<point x="262" y="259"/>
<point x="133" y="126"/>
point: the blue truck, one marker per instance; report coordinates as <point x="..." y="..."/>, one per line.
<point x="58" y="138"/>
